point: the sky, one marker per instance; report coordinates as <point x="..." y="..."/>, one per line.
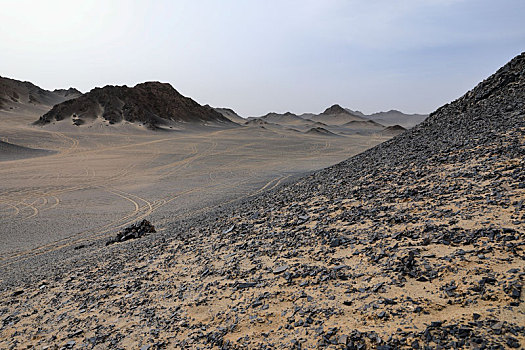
<point x="259" y="56"/>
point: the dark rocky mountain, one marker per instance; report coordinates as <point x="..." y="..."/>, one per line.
<point x="16" y="94"/>
<point x="153" y="104"/>
<point x="334" y="115"/>
<point x="358" y="113"/>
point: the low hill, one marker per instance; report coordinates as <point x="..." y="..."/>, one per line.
<point x="320" y="132"/>
<point x="287" y="118"/>
<point x="393" y="130"/>
<point x="364" y="124"/>
<point x="16" y="95"/>
<point x="231" y="115"/>
<point x="336" y="115"/>
<point x="153" y="104"/>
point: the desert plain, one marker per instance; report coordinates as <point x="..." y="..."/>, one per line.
<point x="92" y="181"/>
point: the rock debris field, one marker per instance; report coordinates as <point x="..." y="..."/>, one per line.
<point x="414" y="244"/>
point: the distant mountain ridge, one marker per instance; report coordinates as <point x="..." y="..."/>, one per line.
<point x="337" y="115"/>
<point x="153" y="104"/>
<point x="394" y="117"/>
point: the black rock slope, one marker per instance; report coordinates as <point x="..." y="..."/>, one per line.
<point x="150" y="103"/>
<point x="414" y="244"/>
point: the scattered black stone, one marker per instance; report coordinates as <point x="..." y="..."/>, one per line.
<point x="244" y="285"/>
<point x="133" y="232"/>
<point x="18" y="292"/>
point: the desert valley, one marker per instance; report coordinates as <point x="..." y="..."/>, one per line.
<point x="238" y="175"/>
<point x="413" y="239"/>
<point x="74" y="174"/>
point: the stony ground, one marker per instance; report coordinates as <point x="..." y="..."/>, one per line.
<point x="417" y="243"/>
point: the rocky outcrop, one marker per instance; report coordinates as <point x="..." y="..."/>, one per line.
<point x="152" y="103"/>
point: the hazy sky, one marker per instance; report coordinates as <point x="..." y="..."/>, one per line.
<point x="257" y="56"/>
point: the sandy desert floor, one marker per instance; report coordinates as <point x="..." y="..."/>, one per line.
<point x="103" y="178"/>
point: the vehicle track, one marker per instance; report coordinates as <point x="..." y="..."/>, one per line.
<point x="141" y="207"/>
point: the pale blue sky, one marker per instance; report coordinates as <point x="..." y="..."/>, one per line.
<point x="267" y="55"/>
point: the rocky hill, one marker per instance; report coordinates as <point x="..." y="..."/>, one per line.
<point x="336" y="115"/>
<point x="152" y="104"/>
<point x="287" y="118"/>
<point x="16" y="94"/>
<point x="417" y="243"/>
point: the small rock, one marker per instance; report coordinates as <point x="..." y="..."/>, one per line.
<point x="280" y="269"/>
